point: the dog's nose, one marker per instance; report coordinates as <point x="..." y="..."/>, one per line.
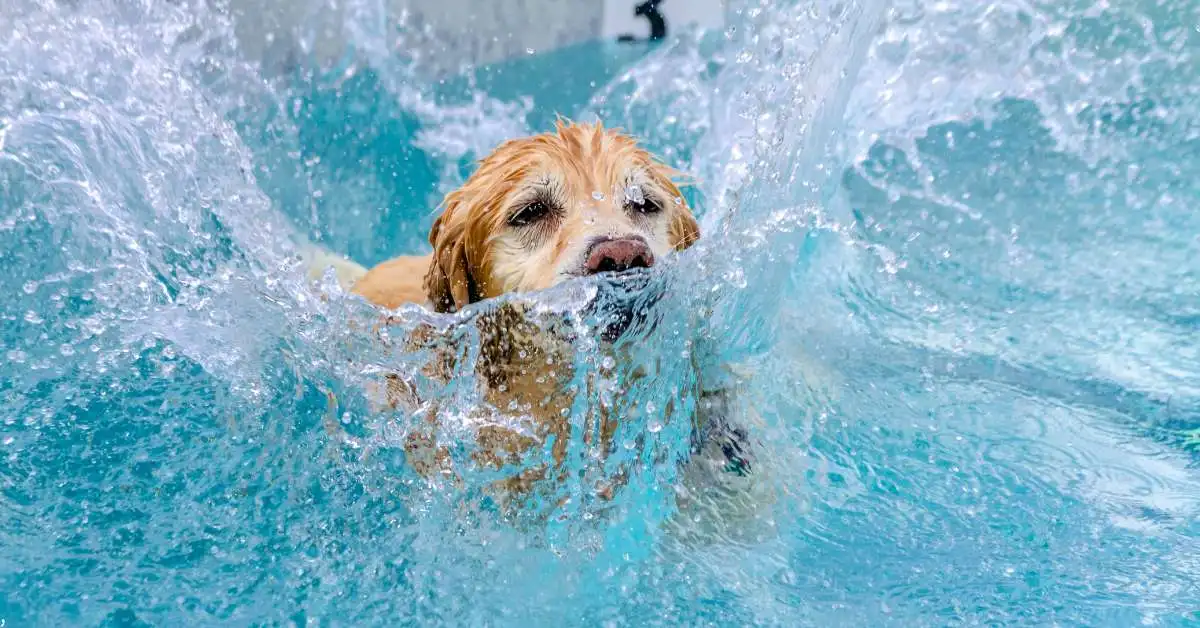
<point x="618" y="255"/>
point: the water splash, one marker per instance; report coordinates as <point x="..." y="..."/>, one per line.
<point x="967" y="355"/>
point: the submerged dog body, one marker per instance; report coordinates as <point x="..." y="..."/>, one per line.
<point x="538" y="211"/>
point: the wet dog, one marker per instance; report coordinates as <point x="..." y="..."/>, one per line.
<point x="538" y="211"/>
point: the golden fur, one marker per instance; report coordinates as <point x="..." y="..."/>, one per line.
<point x="598" y="183"/>
<point x="587" y="169"/>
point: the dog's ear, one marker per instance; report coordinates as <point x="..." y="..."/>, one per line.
<point x="448" y="281"/>
<point x="683" y="230"/>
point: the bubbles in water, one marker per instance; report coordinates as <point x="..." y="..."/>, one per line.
<point x="210" y="378"/>
<point x="736" y="278"/>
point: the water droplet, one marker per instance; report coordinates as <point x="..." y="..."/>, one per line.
<point x="634" y="194"/>
<point x="654" y="427"/>
<point x="16" y="356"/>
<point x="679" y="200"/>
<point x="598" y="196"/>
<point x="66" y="349"/>
<point x="30" y="287"/>
<point x="33" y="318"/>
<point x="608" y="362"/>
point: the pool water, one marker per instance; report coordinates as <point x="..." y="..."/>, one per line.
<point x="949" y="255"/>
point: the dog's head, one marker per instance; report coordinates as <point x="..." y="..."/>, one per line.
<point x="540" y="210"/>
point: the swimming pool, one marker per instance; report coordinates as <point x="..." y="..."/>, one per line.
<point x="949" y="247"/>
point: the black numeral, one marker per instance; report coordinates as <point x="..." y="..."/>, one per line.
<point x="658" y="23"/>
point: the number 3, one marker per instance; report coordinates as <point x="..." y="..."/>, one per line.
<point x="658" y="23"/>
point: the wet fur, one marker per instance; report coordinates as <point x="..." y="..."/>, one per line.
<point x="478" y="255"/>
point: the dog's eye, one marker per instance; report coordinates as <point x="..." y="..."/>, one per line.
<point x="529" y="214"/>
<point x="637" y="201"/>
<point x="643" y="206"/>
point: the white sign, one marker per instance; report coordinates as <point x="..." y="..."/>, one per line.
<point x="646" y="19"/>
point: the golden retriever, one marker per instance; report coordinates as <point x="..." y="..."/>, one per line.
<point x="538" y="211"/>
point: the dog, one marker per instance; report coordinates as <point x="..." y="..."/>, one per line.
<point x="538" y="211"/>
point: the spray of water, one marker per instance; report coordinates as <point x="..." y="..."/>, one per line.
<point x="187" y="432"/>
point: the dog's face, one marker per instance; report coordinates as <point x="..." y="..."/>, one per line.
<point x="543" y="209"/>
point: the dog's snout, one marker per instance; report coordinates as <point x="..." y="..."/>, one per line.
<point x="618" y="255"/>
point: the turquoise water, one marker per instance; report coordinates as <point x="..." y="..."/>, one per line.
<point x="950" y="250"/>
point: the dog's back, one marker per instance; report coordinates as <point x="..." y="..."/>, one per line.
<point x="395" y="282"/>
